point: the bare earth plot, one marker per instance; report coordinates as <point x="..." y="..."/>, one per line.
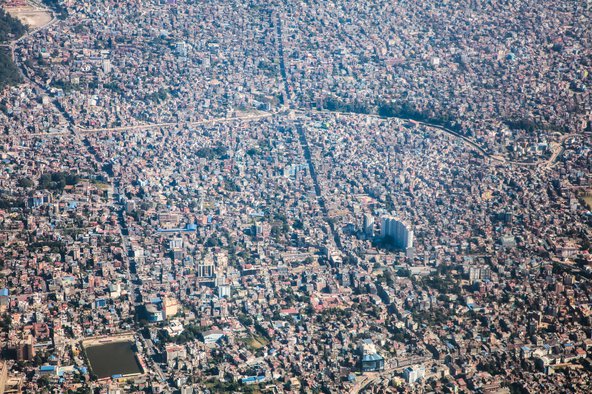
<point x="30" y="15"/>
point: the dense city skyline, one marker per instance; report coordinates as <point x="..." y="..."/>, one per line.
<point x="295" y="197"/>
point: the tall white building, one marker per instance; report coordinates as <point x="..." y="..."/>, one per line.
<point x="369" y="225"/>
<point x="107" y="66"/>
<point x="398" y="230"/>
<point x="206" y="267"/>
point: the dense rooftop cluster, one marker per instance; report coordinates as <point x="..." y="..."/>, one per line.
<point x="116" y="64"/>
<point x="207" y="184"/>
<point x="497" y="71"/>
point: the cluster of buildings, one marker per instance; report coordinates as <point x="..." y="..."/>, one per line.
<point x="119" y="64"/>
<point x="262" y="261"/>
<point x="303" y="250"/>
<point x="481" y="66"/>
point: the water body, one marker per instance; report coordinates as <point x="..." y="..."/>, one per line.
<point x="113" y="358"/>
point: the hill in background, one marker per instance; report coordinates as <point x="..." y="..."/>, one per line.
<point x="10" y="29"/>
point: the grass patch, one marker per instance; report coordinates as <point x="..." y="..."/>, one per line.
<point x="254" y="342"/>
<point x="588" y="201"/>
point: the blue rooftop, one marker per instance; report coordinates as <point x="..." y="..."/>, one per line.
<point x="372" y="357"/>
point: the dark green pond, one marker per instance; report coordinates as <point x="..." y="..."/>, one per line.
<point x="113" y="358"/>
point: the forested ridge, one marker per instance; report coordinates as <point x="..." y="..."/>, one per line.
<point x="10" y="29"/>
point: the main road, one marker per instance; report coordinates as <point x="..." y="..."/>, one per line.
<point x="148" y="126"/>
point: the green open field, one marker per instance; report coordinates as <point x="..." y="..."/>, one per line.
<point x="254" y="342"/>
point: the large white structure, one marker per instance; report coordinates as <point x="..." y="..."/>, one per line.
<point x="414" y="373"/>
<point x="398" y="230"/>
<point x="369" y="225"/>
<point x="206" y="267"/>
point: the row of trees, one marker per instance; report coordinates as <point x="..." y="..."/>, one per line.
<point x="403" y="110"/>
<point x="210" y="153"/>
<point x="334" y="104"/>
<point x="406" y="110"/>
<point x="190" y="333"/>
<point x="57" y="180"/>
<point x="7" y="202"/>
<point x="523" y="124"/>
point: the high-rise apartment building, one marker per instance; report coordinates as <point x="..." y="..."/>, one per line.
<point x="398" y="230"/>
